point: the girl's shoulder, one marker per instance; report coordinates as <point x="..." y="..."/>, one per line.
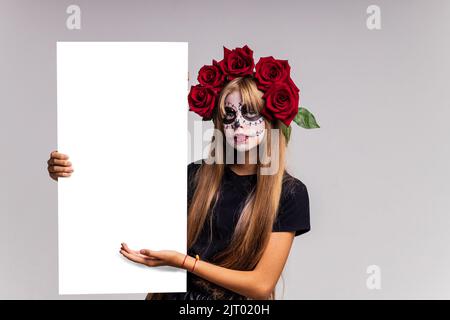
<point x="194" y="166"/>
<point x="293" y="212"/>
<point x="292" y="185"/>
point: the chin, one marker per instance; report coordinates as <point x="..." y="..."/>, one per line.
<point x="241" y="148"/>
<point x="244" y="147"/>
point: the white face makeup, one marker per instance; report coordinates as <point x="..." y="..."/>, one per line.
<point x="244" y="129"/>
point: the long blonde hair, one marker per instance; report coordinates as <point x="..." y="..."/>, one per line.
<point x="255" y="223"/>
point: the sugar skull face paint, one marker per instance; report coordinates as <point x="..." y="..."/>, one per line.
<point x="244" y="128"/>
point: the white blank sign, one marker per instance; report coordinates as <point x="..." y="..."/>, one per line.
<point x="122" y="119"/>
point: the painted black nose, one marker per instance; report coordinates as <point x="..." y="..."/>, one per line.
<point x="236" y="123"/>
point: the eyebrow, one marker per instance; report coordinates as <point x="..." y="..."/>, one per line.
<point x="228" y="104"/>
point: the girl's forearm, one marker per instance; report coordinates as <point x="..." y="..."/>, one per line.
<point x="246" y="283"/>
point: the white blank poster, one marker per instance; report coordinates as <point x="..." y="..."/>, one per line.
<point x="122" y="119"/>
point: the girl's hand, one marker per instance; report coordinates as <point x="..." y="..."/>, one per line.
<point x="59" y="165"/>
<point x="152" y="258"/>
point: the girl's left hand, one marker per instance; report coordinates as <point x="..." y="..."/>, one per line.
<point x="152" y="258"/>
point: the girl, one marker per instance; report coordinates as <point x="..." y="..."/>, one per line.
<point x="241" y="222"/>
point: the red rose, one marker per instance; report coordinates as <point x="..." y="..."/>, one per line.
<point x="238" y="62"/>
<point x="202" y="101"/>
<point x="211" y="76"/>
<point x="282" y="101"/>
<point x="270" y="70"/>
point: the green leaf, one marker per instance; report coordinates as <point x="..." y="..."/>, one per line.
<point x="305" y="119"/>
<point x="286" y="131"/>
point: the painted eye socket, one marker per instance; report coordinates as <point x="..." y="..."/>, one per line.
<point x="250" y="115"/>
<point x="230" y="115"/>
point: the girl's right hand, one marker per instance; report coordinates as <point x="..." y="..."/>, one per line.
<point x="59" y="165"/>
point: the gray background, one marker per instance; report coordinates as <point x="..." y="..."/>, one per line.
<point x="376" y="170"/>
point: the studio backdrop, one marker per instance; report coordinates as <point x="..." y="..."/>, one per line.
<point x="375" y="73"/>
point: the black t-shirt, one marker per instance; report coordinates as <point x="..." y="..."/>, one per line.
<point x="293" y="215"/>
<point x="293" y="212"/>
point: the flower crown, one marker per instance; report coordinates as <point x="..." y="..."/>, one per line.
<point x="272" y="77"/>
